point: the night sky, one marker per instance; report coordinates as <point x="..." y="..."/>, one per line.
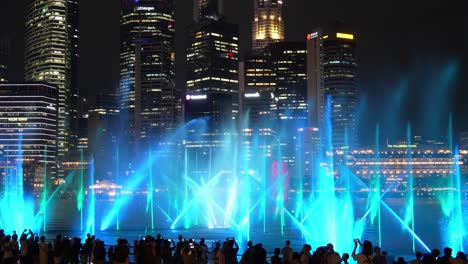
<point x="413" y="57"/>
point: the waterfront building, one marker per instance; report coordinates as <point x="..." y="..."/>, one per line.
<point x="51" y="56"/>
<point x="332" y="87"/>
<point x="29" y="131"/>
<point x="431" y="169"/>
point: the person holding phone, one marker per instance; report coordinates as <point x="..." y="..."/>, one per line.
<point x="230" y="251"/>
<point x="366" y="255"/>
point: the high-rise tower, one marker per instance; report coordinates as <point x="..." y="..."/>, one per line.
<point x="48" y="56"/>
<point x="333" y="84"/>
<point x="148" y="96"/>
<point x="75" y="95"/>
<point x="212" y="60"/>
<point x="268" y="24"/>
<point x="290" y="65"/>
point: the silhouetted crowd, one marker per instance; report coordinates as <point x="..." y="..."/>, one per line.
<point x="29" y="248"/>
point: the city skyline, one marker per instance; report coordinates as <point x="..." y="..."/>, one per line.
<point x="409" y="77"/>
<point x="249" y="116"/>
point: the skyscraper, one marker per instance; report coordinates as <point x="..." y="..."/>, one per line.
<point x="148" y="96"/>
<point x="289" y="61"/>
<point x="212" y="60"/>
<point x="258" y="103"/>
<point x="4" y="54"/>
<point x="268" y="24"/>
<point x="212" y="89"/>
<point x="28" y="128"/>
<point x="75" y="95"/>
<point x="333" y="85"/>
<point x="51" y="53"/>
<point x="260" y="74"/>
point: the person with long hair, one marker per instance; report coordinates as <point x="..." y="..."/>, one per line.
<point x="366" y="255"/>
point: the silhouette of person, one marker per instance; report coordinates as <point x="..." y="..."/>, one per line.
<point x="287" y="252"/>
<point x="418" y="258"/>
<point x="366" y="256"/>
<point x="379" y="258"/>
<point x="275" y="259"/>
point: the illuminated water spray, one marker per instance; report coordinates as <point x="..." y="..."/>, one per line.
<point x="43" y="204"/>
<point x="81" y="195"/>
<point x="409" y="213"/>
<point x="91" y="200"/>
<point x="150" y="194"/>
<point x="17" y="210"/>
<point x="117" y="178"/>
<point x="455" y="230"/>
<point x="336" y="223"/>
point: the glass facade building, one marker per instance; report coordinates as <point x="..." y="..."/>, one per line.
<point x="148" y="96"/>
<point x="268" y="24"/>
<point x="28" y="128"/>
<point x="333" y="85"/>
<point x="75" y="95"/>
<point x="212" y="60"/>
<point x="47" y="57"/>
<point x="289" y="60"/>
<point x="259" y="123"/>
<point x="260" y="73"/>
<point x="259" y="114"/>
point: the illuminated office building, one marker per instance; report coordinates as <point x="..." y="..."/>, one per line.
<point x="289" y="61"/>
<point x="47" y="56"/>
<point x="149" y="99"/>
<point x="268" y="24"/>
<point x="28" y="129"/>
<point x="258" y="103"/>
<point x="332" y="88"/>
<point x="75" y="95"/>
<point x="259" y="119"/>
<point x="212" y="60"/>
<point x="260" y="74"/>
<point x="51" y="56"/>
<point x="4" y="54"/>
<point x="258" y="78"/>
